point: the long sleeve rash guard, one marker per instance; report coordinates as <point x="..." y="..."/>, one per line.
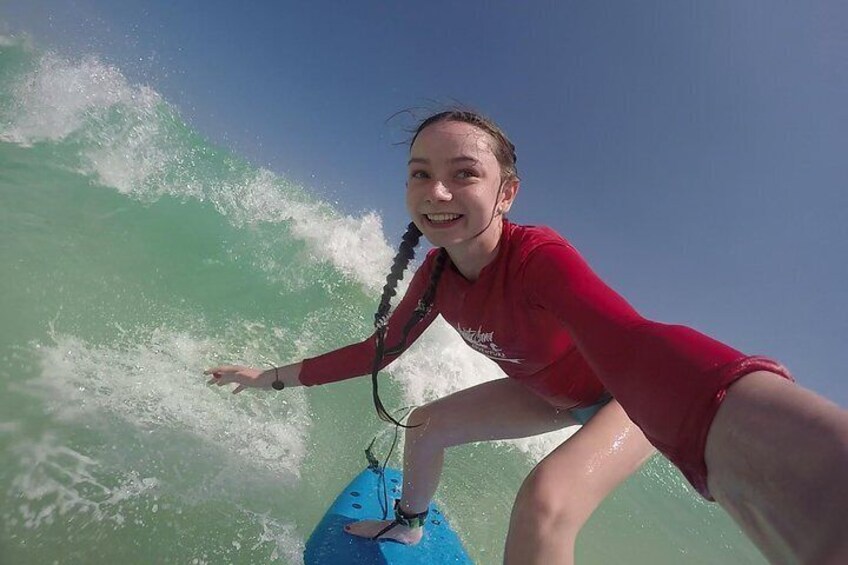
<point x="542" y="314"/>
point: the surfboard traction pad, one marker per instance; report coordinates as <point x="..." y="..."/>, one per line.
<point x="329" y="544"/>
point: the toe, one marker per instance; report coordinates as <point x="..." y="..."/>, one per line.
<point x="366" y="528"/>
<point x="370" y="528"/>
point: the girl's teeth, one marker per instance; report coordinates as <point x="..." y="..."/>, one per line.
<point x="441" y="218"/>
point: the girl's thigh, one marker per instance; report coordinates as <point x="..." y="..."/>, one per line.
<point x="499" y="409"/>
<point x="777" y="458"/>
<point x="596" y="459"/>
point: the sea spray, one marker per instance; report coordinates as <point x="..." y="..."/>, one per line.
<point x="136" y="254"/>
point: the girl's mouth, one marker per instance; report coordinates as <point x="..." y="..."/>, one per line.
<point x="442" y="219"/>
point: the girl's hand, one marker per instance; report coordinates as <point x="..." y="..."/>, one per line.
<point x="246" y="377"/>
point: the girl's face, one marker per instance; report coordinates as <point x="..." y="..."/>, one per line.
<point x="454" y="191"/>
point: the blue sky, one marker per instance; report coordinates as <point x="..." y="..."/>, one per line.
<point x="694" y="151"/>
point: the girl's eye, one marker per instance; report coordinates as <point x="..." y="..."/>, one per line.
<point x="418" y="175"/>
<point x="466" y="174"/>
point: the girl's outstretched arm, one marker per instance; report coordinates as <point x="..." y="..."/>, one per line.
<point x="344" y="363"/>
<point x="249" y="377"/>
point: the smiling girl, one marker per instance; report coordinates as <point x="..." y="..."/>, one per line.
<point x="572" y="350"/>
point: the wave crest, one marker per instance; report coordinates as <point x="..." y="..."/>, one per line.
<point x="128" y="138"/>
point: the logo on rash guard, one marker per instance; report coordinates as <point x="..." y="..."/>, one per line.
<point x="483" y="342"/>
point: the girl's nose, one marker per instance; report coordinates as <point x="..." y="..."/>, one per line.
<point x="439" y="192"/>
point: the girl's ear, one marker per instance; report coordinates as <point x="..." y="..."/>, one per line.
<point x="508" y="194"/>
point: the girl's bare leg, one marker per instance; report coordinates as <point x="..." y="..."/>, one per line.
<point x="499" y="409"/>
<point x="777" y="456"/>
<point x="564" y="489"/>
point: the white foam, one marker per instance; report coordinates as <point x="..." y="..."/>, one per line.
<point x="441" y="363"/>
<point x="354" y="245"/>
<point x="54" y="100"/>
<point x="130" y="139"/>
<point x="60" y="481"/>
<point x="156" y="384"/>
<point x="9" y="427"/>
<point x="288" y="545"/>
<point x="22" y="40"/>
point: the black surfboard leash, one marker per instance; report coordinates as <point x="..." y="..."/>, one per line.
<point x="380" y="468"/>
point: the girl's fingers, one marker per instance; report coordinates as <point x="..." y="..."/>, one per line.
<point x="227" y="374"/>
<point x="222" y="369"/>
<point x="222" y="379"/>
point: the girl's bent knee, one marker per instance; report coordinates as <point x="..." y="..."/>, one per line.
<point x="419" y="417"/>
<point x="423" y="428"/>
<point x="548" y="502"/>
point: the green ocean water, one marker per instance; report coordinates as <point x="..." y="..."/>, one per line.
<point x="135" y="254"/>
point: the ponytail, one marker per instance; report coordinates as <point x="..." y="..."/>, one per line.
<point x="405" y="253"/>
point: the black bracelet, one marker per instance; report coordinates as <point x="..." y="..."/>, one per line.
<point x="277" y="384"/>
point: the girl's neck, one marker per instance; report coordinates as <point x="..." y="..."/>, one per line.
<point x="471" y="257"/>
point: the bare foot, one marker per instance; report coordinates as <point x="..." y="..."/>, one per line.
<point x="370" y="528"/>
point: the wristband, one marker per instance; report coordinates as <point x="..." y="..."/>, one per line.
<point x="277" y="384"/>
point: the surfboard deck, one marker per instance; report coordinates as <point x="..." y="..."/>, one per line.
<point x="329" y="544"/>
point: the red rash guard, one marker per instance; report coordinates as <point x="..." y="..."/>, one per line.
<point x="549" y="322"/>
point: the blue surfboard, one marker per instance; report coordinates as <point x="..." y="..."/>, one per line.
<point x="329" y="544"/>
